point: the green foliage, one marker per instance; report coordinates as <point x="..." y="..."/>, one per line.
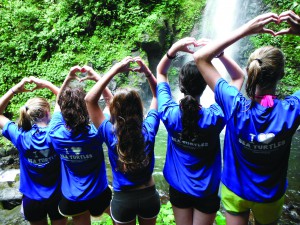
<point x="165" y="215"/>
<point x="44" y="38"/>
<point x="289" y="44"/>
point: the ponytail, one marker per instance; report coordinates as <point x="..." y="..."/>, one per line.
<point x="265" y="68"/>
<point x="25" y="120"/>
<point x="34" y="111"/>
<point x="126" y="111"/>
<point x="190" y="116"/>
<point x="192" y="85"/>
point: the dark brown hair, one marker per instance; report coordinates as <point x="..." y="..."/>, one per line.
<point x="73" y="109"/>
<point x="191" y="84"/>
<point x="126" y="111"/>
<point x="265" y="68"/>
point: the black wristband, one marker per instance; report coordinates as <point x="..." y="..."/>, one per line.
<point x="170" y="57"/>
<point x="221" y="54"/>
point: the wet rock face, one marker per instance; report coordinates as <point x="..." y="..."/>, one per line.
<point x="10" y="196"/>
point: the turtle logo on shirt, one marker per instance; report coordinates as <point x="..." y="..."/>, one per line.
<point x="265" y="138"/>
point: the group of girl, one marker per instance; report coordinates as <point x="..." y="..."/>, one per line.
<point x="62" y="162"/>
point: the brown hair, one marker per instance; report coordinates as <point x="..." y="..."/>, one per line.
<point x="126" y="111"/>
<point x="265" y="68"/>
<point x="191" y="84"/>
<point x="73" y="109"/>
<point x="34" y="111"/>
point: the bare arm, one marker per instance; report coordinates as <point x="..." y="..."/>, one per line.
<point x="165" y="62"/>
<point x="4" y="100"/>
<point x="204" y="56"/>
<point x="293" y="20"/>
<point x="71" y="76"/>
<point x="92" y="97"/>
<point x="151" y="80"/>
<point x="40" y="83"/>
<point x="234" y="70"/>
<point x="93" y="75"/>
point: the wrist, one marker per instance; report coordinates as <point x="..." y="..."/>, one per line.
<point x="13" y="91"/>
<point x="220" y="55"/>
<point x="171" y="55"/>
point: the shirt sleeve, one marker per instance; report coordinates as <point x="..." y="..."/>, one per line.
<point x="151" y="123"/>
<point x="11" y="132"/>
<point x="166" y="105"/>
<point x="56" y="119"/>
<point x="227" y="97"/>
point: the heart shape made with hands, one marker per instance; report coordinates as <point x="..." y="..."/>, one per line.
<point x="283" y="26"/>
<point x="30" y="86"/>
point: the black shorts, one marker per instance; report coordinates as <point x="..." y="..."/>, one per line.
<point x="34" y="210"/>
<point x="208" y="205"/>
<point x="95" y="206"/>
<point x="126" y="205"/>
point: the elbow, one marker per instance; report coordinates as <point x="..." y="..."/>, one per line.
<point x="198" y="57"/>
<point x="88" y="99"/>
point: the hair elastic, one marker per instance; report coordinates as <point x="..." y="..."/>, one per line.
<point x="266" y="100"/>
<point x="259" y="61"/>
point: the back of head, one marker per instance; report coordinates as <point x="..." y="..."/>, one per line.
<point x="34" y="111"/>
<point x="265" y="68"/>
<point x="191" y="81"/>
<point x="73" y="109"/>
<point x="126" y="111"/>
<point x="192" y="85"/>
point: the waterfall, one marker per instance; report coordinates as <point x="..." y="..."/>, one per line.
<point x="219" y="18"/>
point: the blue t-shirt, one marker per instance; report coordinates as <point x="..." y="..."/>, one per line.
<point x="82" y="160"/>
<point x="39" y="163"/>
<point x="257" y="143"/>
<point x="121" y="180"/>
<point x="192" y="168"/>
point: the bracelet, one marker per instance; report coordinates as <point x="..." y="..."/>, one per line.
<point x="220" y="55"/>
<point x="170" y="57"/>
<point x="12" y="91"/>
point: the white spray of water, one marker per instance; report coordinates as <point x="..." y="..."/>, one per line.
<point x="218" y="20"/>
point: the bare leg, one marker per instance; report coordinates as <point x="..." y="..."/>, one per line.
<point x="183" y="216"/>
<point x="143" y="221"/>
<point x="62" y="221"/>
<point x="200" y="218"/>
<point x="241" y="219"/>
<point x="82" y="219"/>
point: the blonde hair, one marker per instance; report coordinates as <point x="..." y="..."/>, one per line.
<point x="265" y="68"/>
<point x="33" y="112"/>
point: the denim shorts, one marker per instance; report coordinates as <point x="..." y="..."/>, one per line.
<point x="35" y="210"/>
<point x="126" y="205"/>
<point x="208" y="205"/>
<point x="264" y="213"/>
<point x="95" y="206"/>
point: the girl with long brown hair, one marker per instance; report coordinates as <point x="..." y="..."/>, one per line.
<point x="130" y="140"/>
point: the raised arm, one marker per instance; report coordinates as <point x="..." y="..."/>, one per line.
<point x="293" y="20"/>
<point x="143" y="68"/>
<point x="40" y="83"/>
<point x="235" y="71"/>
<point x="204" y="56"/>
<point x="165" y="62"/>
<point x="4" y="100"/>
<point x="71" y="76"/>
<point x="92" y="97"/>
<point x="93" y="75"/>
